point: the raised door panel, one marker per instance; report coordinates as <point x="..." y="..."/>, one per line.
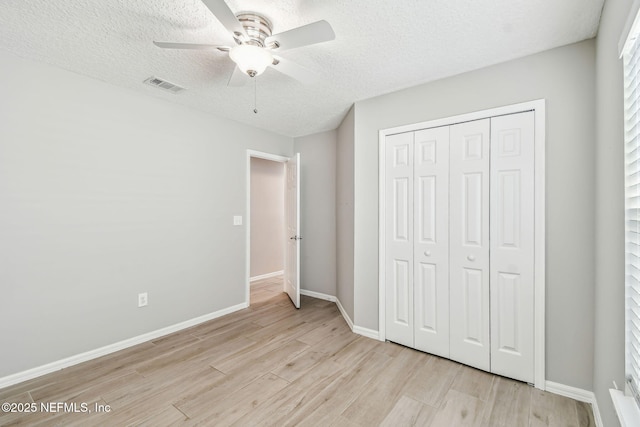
<point x="431" y="242"/>
<point x="399" y="184"/>
<point x="512" y="246"/>
<point x="469" y="243"/>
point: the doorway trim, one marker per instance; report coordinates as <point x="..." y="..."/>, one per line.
<point x="538" y="106"/>
<point x="258" y="155"/>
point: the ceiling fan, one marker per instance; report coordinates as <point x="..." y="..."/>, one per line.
<point x="256" y="45"/>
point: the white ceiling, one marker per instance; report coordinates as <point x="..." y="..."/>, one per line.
<point x="380" y="47"/>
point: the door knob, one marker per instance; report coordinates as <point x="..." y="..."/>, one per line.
<point x="427" y="253"/>
<point x="471" y="258"/>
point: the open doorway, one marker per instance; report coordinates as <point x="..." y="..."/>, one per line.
<point x="290" y="215"/>
<point x="267" y="229"/>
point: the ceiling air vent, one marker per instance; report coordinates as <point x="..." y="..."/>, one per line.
<point x="163" y="84"/>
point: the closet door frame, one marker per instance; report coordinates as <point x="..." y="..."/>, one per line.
<point x="538" y="107"/>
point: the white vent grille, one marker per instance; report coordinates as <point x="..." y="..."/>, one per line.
<point x="163" y="84"/>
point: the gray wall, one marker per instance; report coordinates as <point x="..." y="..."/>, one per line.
<point x="105" y="193"/>
<point x="267" y="217"/>
<point x="318" y="211"/>
<point x="609" y="285"/>
<point x="565" y="77"/>
<point x="344" y="213"/>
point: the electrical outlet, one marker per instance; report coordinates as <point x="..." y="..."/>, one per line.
<point x="237" y="220"/>
<point x="143" y="299"/>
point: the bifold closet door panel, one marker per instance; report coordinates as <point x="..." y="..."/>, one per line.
<point x="469" y="243"/>
<point x="399" y="238"/>
<point x="431" y="243"/>
<point x="512" y="246"/>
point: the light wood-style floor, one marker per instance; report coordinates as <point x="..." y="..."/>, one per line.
<point x="273" y="365"/>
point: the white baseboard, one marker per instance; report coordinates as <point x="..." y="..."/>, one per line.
<point x="318" y="295"/>
<point x="577" y="394"/>
<point x="112" y="348"/>
<point x="596" y="413"/>
<point x="369" y="333"/>
<point x="266" y="276"/>
<point x="344" y="314"/>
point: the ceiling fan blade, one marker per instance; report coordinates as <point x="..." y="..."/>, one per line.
<point x="238" y="78"/>
<point x="226" y="17"/>
<point x="298" y="72"/>
<point x="194" y="46"/>
<point x="316" y="32"/>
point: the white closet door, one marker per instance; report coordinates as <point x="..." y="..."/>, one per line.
<point x="399" y="238"/>
<point x="469" y="243"/>
<point x="431" y="243"/>
<point x="512" y="245"/>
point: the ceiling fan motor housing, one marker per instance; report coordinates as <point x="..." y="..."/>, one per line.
<point x="257" y="27"/>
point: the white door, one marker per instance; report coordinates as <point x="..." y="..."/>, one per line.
<point x="292" y="226"/>
<point x="399" y="238"/>
<point x="431" y="242"/>
<point x="512" y="245"/>
<point x="469" y="243"/>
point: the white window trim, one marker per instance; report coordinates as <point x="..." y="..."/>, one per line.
<point x="626" y="403"/>
<point x="629" y="27"/>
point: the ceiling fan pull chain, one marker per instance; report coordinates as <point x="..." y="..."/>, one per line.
<point x="255" y="95"/>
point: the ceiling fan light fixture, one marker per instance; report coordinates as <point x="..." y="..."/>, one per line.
<point x="252" y="60"/>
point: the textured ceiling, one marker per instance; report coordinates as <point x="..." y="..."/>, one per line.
<point x="380" y="46"/>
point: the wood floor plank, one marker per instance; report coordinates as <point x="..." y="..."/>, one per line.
<point x="174" y="341"/>
<point x="260" y="354"/>
<point x="289" y="399"/>
<point x="326" y="330"/>
<point x="164" y="388"/>
<point x="460" y="410"/>
<point x="227" y="331"/>
<point x="73" y="383"/>
<point x="284" y="366"/>
<point x="343" y="422"/>
<point x="289" y="326"/>
<point x="167" y="417"/>
<point x="180" y="355"/>
<point x="6" y="417"/>
<point x="24" y="387"/>
<point x="96" y="390"/>
<point x="300" y="365"/>
<point x="551" y="410"/>
<point x="388" y="348"/>
<point x="82" y="376"/>
<point x="235" y="405"/>
<point x="431" y="382"/>
<point x="473" y="382"/>
<point x="274" y="315"/>
<point x="226" y="349"/>
<point x="408" y="412"/>
<point x="334" y="346"/>
<point x="241" y="375"/>
<point x="327" y="368"/>
<point x="354" y="351"/>
<point x="585" y="414"/>
<point x="373" y="404"/>
<point x="76" y="420"/>
<point x="508" y="404"/>
<point x="331" y="402"/>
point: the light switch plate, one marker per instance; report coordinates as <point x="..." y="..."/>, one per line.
<point x="143" y="299"/>
<point x="237" y="220"/>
